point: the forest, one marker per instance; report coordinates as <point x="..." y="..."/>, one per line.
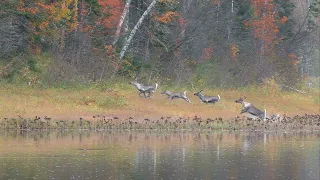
<point x="194" y="43"/>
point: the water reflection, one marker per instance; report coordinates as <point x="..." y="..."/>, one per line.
<point x="156" y="155"/>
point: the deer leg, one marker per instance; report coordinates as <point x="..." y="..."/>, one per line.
<point x="186" y="99"/>
<point x="144" y="93"/>
<point x="244" y="110"/>
<point x="140" y="93"/>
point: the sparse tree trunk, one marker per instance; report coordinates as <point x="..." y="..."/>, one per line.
<point x="62" y="43"/>
<point x="136" y="27"/>
<point x="123" y="16"/>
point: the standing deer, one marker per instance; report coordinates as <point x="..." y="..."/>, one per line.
<point x="207" y="99"/>
<point x="172" y="95"/>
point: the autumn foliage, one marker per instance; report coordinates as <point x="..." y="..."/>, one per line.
<point x="112" y="10"/>
<point x="234" y="51"/>
<point x="167" y="17"/>
<point x="264" y="23"/>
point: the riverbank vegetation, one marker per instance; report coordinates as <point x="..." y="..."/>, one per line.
<point x="70" y="59"/>
<point x="121" y="99"/>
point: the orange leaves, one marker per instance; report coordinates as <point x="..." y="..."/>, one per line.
<point x="234" y="50"/>
<point x="62" y="12"/>
<point x="294" y="62"/>
<point x="23" y="8"/>
<point x="207" y="53"/>
<point x="283" y="20"/>
<point x="110" y="51"/>
<point x="293" y="59"/>
<point x="292" y="56"/>
<point x="246" y="24"/>
<point x="112" y="10"/>
<point x="43" y="25"/>
<point x="262" y="6"/>
<point x="216" y="2"/>
<point x="109" y="3"/>
<point x="183" y="22"/>
<point x="264" y="23"/>
<point x="167" y="17"/>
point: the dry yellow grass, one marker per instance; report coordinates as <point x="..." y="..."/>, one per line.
<point x="70" y="104"/>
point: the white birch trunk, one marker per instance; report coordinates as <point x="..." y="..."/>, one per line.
<point x="123" y="16"/>
<point x="136" y="27"/>
<point x="126" y="27"/>
<point x="232" y="5"/>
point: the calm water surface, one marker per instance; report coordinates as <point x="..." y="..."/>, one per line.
<point x="159" y="155"/>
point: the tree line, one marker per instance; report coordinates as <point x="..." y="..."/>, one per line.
<point x="215" y="43"/>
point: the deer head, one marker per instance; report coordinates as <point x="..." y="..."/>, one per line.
<point x="198" y="93"/>
<point x="240" y="100"/>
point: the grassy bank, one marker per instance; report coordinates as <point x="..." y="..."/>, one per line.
<point x="122" y="100"/>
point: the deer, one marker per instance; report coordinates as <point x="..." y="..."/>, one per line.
<point x="172" y="95"/>
<point x="145" y="89"/>
<point x="207" y="99"/>
<point x="251" y="109"/>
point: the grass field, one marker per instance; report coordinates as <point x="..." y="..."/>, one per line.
<point x="122" y="100"/>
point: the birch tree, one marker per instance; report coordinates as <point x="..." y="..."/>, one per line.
<point x="123" y="16"/>
<point x="136" y="27"/>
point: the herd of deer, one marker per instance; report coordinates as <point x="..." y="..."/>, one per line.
<point x="247" y="107"/>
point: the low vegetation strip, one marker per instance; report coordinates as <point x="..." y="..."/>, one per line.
<point x="295" y="123"/>
<point x="122" y="100"/>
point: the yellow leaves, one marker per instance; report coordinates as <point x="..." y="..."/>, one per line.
<point x="234" y="50"/>
<point x="64" y="12"/>
<point x="109" y="50"/>
<point x="167" y="17"/>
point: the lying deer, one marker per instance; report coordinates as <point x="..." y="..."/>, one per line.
<point x="145" y="89"/>
<point x="172" y="95"/>
<point x="207" y="99"/>
<point x="251" y="109"/>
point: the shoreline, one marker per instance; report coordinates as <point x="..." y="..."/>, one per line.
<point x="101" y="123"/>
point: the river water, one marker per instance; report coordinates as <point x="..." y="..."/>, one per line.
<point x="159" y="155"/>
